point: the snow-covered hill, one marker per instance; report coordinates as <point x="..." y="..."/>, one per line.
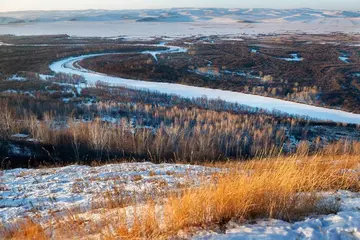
<point x="175" y="23"/>
<point x="25" y="192"/>
<point x="181" y="15"/>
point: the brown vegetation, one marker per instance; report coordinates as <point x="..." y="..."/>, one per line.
<point x="283" y="188"/>
<point x="36" y="53"/>
<point x="320" y="79"/>
<point x="104" y="123"/>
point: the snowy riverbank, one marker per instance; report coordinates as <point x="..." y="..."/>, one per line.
<point x="67" y="66"/>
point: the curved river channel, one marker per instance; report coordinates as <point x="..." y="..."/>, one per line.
<point x="69" y="66"/>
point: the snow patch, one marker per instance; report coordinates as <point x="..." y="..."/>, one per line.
<point x="20" y="136"/>
<point x="344" y="59"/>
<point x="56" y="189"/>
<point x="5" y="44"/>
<point x="294" y="58"/>
<point x="17" y="78"/>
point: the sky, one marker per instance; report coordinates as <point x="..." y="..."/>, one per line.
<point x="19" y="5"/>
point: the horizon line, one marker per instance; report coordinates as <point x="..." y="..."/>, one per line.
<point x="137" y="9"/>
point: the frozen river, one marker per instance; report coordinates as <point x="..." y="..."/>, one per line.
<point x="67" y="66"/>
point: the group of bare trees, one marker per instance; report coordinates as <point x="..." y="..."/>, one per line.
<point x="135" y="124"/>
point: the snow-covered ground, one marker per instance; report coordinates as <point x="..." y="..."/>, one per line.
<point x="178" y="22"/>
<point x="5" y="44"/>
<point x="27" y="191"/>
<point x="143" y="30"/>
<point x="17" y="78"/>
<point x="344" y="59"/>
<point x="67" y="66"/>
<point x="344" y="225"/>
<point x="294" y="58"/>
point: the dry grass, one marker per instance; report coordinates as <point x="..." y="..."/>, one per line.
<point x="283" y="188"/>
<point x="26" y="229"/>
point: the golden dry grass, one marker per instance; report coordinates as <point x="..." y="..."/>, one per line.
<point x="25" y="229"/>
<point x="283" y="188"/>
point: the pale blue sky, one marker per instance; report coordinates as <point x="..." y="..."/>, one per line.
<point x="15" y="5"/>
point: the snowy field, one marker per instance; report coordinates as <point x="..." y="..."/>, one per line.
<point x="28" y="191"/>
<point x="67" y="66"/>
<point x="25" y="192"/>
<point x="181" y="22"/>
<point x="345" y="225"/>
<point x="143" y="30"/>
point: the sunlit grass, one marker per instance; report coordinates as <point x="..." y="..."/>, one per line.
<point x="283" y="188"/>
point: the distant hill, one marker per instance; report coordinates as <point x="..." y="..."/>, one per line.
<point x="256" y="15"/>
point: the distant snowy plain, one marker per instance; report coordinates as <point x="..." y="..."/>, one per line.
<point x="181" y="22"/>
<point x="141" y="30"/>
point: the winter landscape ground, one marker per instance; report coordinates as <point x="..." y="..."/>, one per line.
<point x="183" y="123"/>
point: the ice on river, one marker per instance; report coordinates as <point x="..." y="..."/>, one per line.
<point x="271" y="104"/>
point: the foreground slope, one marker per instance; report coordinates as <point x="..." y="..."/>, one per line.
<point x="297" y="197"/>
